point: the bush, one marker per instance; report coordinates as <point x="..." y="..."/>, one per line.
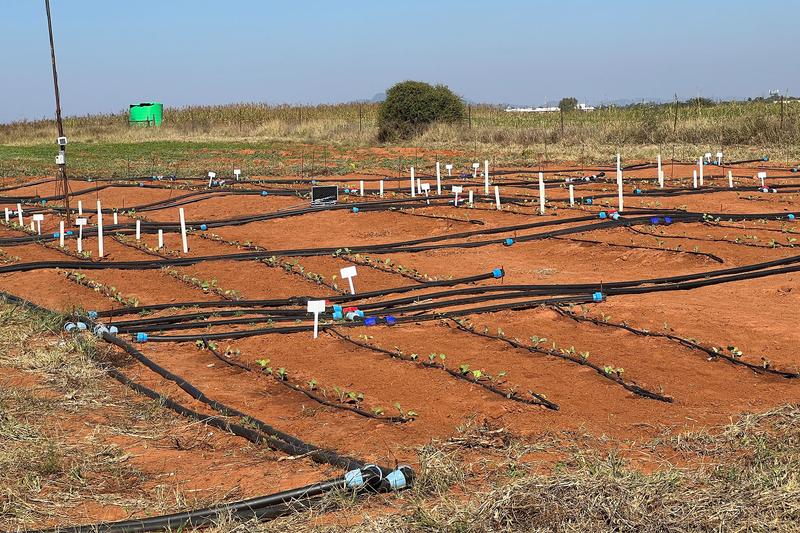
<point x="568" y="104"/>
<point x="411" y="106"/>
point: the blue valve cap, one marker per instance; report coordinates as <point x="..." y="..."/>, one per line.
<point x="113" y="330"/>
<point x="602" y="214"/>
<point x="655" y="220"/>
<point x="337" y="315"/>
<point x="637" y="191"/>
<point x="667" y="220"/>
<point x="615" y="216"/>
<point x="264" y="193"/>
<point x="587" y="201"/>
<point x="347" y="191"/>
<point x="391" y="320"/>
<point x="597" y="297"/>
<point x="203" y="227"/>
<point x="370" y="321"/>
<point x="92" y="314"/>
<point x="790" y="216"/>
<point x="68" y="232"/>
<point x="141" y="337"/>
<point x="498" y="273"/>
<point x="508" y="242"/>
<point x="355" y="210"/>
<point x="337" y="308"/>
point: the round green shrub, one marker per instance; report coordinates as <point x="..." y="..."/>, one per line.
<point x="411" y="106"/>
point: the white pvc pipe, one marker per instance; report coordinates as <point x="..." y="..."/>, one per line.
<point x="99" y="230"/>
<point x="8" y="216"/>
<point x="620" y="198"/>
<point x="80" y="239"/>
<point x="61" y="233"/>
<point x="160" y="238"/>
<point x="419" y="186"/>
<point x="486" y="176"/>
<point x="700" y="164"/>
<point x="116" y="220"/>
<point x="361" y="187"/>
<point x="694" y="179"/>
<point x="730" y="179"/>
<point x="138" y="229"/>
<point x="80" y="208"/>
<point x="413" y="184"/>
<point x="183" y="231"/>
<point x="438" y="179"/>
<point x="381" y="193"/>
<point x="541" y="193"/>
<point x="470" y="198"/>
<point x="661" y="179"/>
<point x="658" y="160"/>
<point x="497" y="197"/>
<point x="19" y="214"/>
<point x="571" y="194"/>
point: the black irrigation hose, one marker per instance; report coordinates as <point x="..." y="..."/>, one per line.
<point x="539" y="399"/>
<point x="759" y="369"/>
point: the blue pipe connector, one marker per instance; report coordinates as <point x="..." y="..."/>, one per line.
<point x="113" y="330"/>
<point x="346" y="191"/>
<point x="355" y="210"/>
<point x="508" y="242"/>
<point x="390" y="320"/>
<point x="602" y="214"/>
<point x="790" y="216"/>
<point x="655" y="220"/>
<point x="668" y="220"/>
<point x="498" y="273"/>
<point x="264" y="193"/>
<point x="141" y="337"/>
<point x="597" y="297"/>
<point x="397" y="479"/>
<point x="765" y="158"/>
<point x="587" y="201"/>
<point x="615" y="216"/>
<point x="81" y="326"/>
<point x="354" y="479"/>
<point x="337" y="315"/>
<point x="637" y="191"/>
<point x="203" y="227"/>
<point x="370" y="321"/>
<point x="69" y="327"/>
<point x="92" y="315"/>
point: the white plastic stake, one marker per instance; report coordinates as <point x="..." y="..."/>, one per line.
<point x="661" y="179"/>
<point x="316" y="307"/>
<point x="700" y="163"/>
<point x="160" y="238"/>
<point x="381" y="188"/>
<point x="541" y="193"/>
<point x="486" y="178"/>
<point x="694" y="179"/>
<point x="413" y="183"/>
<point x="762" y="176"/>
<point x="438" y="179"/>
<point x="419" y="186"/>
<point x="571" y="194"/>
<point x="80" y="222"/>
<point x="349" y="273"/>
<point x="19" y="214"/>
<point x="620" y="199"/>
<point x="80" y="208"/>
<point x="475" y="174"/>
<point x="456" y="190"/>
<point x="61" y="233"/>
<point x="237" y="173"/>
<point x="426" y="187"/>
<point x="99" y="230"/>
<point x="470" y="198"/>
<point x="658" y="160"/>
<point x="183" y="231"/>
<point x="730" y="179"/>
<point x="449" y="168"/>
<point x="211" y="176"/>
<point x="38" y="218"/>
<point x="138" y="229"/>
<point x="719" y="158"/>
<point x="361" y="187"/>
<point x="497" y="196"/>
<point x="8" y="215"/>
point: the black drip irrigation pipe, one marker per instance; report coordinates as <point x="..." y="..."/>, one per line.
<point x="361" y="477"/>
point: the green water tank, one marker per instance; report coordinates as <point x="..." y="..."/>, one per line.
<point x="146" y="113"/>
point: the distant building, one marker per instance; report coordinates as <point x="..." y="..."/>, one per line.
<point x="550" y="109"/>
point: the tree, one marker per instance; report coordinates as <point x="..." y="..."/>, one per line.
<point x="569" y="103"/>
<point x="411" y="106"/>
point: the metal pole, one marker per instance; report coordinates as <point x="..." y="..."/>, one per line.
<point x="62" y="167"/>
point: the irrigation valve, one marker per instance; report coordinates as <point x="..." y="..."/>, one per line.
<point x="316" y="307"/>
<point x="349" y="273"/>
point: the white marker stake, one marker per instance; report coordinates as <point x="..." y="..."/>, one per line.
<point x="658" y="160"/>
<point x="486" y="178"/>
<point x="694" y="179"/>
<point x="413" y="192"/>
<point x="138" y="229"/>
<point x="361" y="187"/>
<point x="61" y="234"/>
<point x="116" y="220"/>
<point x="620" y="200"/>
<point x="426" y="187"/>
<point x="438" y="179"/>
<point x="419" y="186"/>
<point x="730" y="179"/>
<point x="381" y="189"/>
<point x="661" y="179"/>
<point x="541" y="193"/>
<point x="211" y="176"/>
<point x="316" y="307"/>
<point x="470" y="198"/>
<point x="475" y="174"/>
<point x="762" y="176"/>
<point x="456" y="190"/>
<point x="700" y="163"/>
<point x="237" y="173"/>
<point x="183" y="231"/>
<point x="99" y="230"/>
<point x="8" y="215"/>
<point x="449" y="168"/>
<point x="80" y="208"/>
<point x="571" y="194"/>
<point x="349" y="273"/>
<point x="19" y="213"/>
<point x="497" y="196"/>
<point x="719" y="158"/>
<point x="160" y="238"/>
<point x="38" y="219"/>
<point x="80" y="222"/>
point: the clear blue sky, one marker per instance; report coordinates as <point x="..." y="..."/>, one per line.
<point x="112" y="53"/>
